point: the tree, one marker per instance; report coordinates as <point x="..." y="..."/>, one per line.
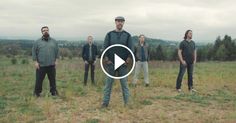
<point x="153" y="55"/>
<point x="230" y="46"/>
<point x="221" y="53"/>
<point x="160" y="53"/>
<point x="174" y="56"/>
<point x="202" y="53"/>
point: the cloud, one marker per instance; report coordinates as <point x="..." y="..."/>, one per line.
<point x="75" y="19"/>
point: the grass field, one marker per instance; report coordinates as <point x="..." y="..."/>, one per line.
<point x="214" y="102"/>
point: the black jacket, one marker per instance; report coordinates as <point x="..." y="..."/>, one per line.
<point x="85" y="52"/>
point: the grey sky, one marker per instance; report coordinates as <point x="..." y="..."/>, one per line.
<point x="75" y="19"/>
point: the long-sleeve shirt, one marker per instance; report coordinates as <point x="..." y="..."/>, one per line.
<point x="114" y="37"/>
<point x="45" y="52"/>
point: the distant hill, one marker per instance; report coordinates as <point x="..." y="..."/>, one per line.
<point x="156" y="42"/>
<point x="65" y="43"/>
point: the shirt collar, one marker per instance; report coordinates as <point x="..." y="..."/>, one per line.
<point x="116" y="30"/>
<point x="44" y="39"/>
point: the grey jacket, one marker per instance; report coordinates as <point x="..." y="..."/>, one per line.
<point x="45" y="52"/>
<point x="137" y="52"/>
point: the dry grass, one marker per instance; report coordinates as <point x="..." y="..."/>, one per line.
<point x="215" y="102"/>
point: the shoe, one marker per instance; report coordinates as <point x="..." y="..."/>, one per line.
<point x="193" y="90"/>
<point x="146" y="85"/>
<point x="179" y="90"/>
<point x="55" y="93"/>
<point x="104" y="105"/>
<point x="36" y="94"/>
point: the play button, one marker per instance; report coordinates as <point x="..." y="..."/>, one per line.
<point x="118" y="56"/>
<point x="118" y="61"/>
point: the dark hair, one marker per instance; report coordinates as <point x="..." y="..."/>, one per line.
<point x="141" y="35"/>
<point x="186" y="34"/>
<point x="43" y="28"/>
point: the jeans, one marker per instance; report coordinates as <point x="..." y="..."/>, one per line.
<point x="182" y="70"/>
<point x="144" y="67"/>
<point x="122" y="70"/>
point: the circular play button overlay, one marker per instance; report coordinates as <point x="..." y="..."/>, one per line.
<point x="117" y="55"/>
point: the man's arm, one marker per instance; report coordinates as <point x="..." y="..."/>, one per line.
<point x="181" y="57"/>
<point x="130" y="44"/>
<point x="135" y="51"/>
<point x="57" y="54"/>
<point x="83" y="55"/>
<point x="34" y="55"/>
<point x="83" y="52"/>
<point x="148" y="58"/>
<point x="195" y="56"/>
<point x="131" y="47"/>
<point x="96" y="50"/>
<point x="95" y="54"/>
<point x="105" y="45"/>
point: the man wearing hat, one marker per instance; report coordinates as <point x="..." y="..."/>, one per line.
<point x="117" y="36"/>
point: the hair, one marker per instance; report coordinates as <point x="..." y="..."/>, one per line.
<point x="90" y="36"/>
<point x="141" y="35"/>
<point x="43" y="28"/>
<point x="186" y="34"/>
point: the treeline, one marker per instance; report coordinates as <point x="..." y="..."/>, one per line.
<point x="223" y="49"/>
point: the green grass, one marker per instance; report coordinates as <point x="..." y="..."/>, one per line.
<point x="214" y="102"/>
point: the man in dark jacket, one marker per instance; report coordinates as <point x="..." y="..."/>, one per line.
<point x="89" y="54"/>
<point x="45" y="54"/>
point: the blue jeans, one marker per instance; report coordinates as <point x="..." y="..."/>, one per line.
<point x="182" y="70"/>
<point x="122" y="70"/>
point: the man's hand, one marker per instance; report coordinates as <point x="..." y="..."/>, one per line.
<point x="94" y="63"/>
<point x="36" y="65"/>
<point x="108" y="62"/>
<point x="128" y="60"/>
<point x="183" y="63"/>
<point x="86" y="62"/>
<point x="56" y="63"/>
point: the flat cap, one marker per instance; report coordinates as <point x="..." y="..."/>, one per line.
<point x="120" y="18"/>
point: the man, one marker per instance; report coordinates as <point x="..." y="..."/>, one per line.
<point x="187" y="55"/>
<point x="45" y="54"/>
<point x="141" y="52"/>
<point x="117" y="36"/>
<point x="89" y="54"/>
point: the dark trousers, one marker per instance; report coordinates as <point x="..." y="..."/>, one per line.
<point x="182" y="70"/>
<point x="92" y="68"/>
<point x="40" y="75"/>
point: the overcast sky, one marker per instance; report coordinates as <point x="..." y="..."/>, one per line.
<point x="75" y="19"/>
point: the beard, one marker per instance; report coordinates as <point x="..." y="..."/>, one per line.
<point x="46" y="35"/>
<point x="119" y="27"/>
